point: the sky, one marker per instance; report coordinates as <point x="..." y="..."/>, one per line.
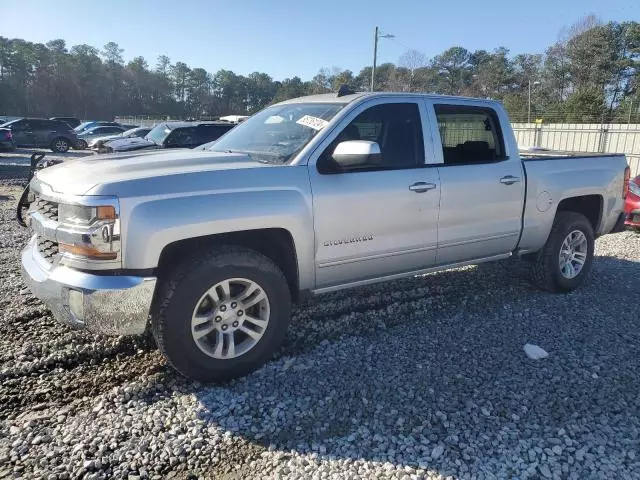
<point x="285" y="37"/>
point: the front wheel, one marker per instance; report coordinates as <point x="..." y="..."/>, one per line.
<point x="221" y="314"/>
<point x="60" y="145"/>
<point x="564" y="262"/>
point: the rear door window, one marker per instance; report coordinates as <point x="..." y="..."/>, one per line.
<point x="182" y="137"/>
<point x="469" y="135"/>
<point x="209" y="133"/>
<point x="41" y="124"/>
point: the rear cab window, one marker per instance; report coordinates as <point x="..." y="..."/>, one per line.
<point x="469" y="134"/>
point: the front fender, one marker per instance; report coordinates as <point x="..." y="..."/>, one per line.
<point x="153" y="224"/>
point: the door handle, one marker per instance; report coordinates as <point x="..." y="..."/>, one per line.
<point x="421" y="187"/>
<point x="509" y="180"/>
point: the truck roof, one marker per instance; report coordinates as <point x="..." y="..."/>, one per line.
<point x="334" y="98"/>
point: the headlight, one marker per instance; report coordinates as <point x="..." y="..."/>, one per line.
<point x="82" y="215"/>
<point x="88" y="232"/>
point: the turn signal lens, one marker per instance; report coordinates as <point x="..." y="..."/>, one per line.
<point x="106" y="213"/>
<point x="87" y="251"/>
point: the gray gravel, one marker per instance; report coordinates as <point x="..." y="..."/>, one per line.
<point x="420" y="378"/>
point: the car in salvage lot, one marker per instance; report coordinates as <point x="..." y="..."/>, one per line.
<point x="6" y="140"/>
<point x="42" y="133"/>
<point x="175" y="134"/>
<point x="93" y="133"/>
<point x="98" y="144"/>
<point x="632" y="205"/>
<point x="208" y="248"/>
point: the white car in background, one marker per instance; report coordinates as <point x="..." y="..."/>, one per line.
<point x="127" y="144"/>
<point x="98" y="144"/>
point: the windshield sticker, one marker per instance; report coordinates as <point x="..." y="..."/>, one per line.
<point x="312" y="122"/>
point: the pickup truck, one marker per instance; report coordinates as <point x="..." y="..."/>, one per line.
<point x="208" y="248"/>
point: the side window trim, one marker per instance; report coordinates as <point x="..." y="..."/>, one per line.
<point x="428" y="144"/>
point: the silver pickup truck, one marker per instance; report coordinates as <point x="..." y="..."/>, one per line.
<point x="208" y="248"/>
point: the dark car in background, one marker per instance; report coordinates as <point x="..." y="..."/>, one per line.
<point x="173" y="135"/>
<point x="73" y="122"/>
<point x="6" y="139"/>
<point x="41" y="133"/>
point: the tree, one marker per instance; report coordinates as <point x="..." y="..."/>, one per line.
<point x="591" y="73"/>
<point x="412" y="60"/>
<point x="113" y="53"/>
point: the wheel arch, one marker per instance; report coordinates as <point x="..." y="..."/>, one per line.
<point x="274" y="243"/>
<point x="591" y="206"/>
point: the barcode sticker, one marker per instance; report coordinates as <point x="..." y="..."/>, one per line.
<point x="312" y="122"/>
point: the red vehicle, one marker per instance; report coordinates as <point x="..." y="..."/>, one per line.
<point x="632" y="205"/>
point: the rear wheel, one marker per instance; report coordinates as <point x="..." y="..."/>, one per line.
<point x="80" y="145"/>
<point x="60" y="145"/>
<point x="565" y="261"/>
<point x="222" y="314"/>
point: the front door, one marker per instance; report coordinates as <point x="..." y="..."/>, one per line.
<point x="482" y="189"/>
<point x="378" y="219"/>
<point x="22" y="133"/>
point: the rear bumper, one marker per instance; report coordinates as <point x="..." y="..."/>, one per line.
<point x="104" y="304"/>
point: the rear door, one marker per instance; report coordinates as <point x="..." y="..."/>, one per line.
<point x="381" y="219"/>
<point x="482" y="188"/>
<point x="43" y="132"/>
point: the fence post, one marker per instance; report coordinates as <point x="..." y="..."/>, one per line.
<point x="537" y="141"/>
<point x="602" y="142"/>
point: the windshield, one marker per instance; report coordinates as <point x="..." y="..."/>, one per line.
<point x="278" y="133"/>
<point x="158" y="134"/>
<point x="131" y="131"/>
<point x="82" y="126"/>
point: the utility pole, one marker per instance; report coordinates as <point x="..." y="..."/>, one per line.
<point x="630" y="110"/>
<point x="529" y="102"/>
<point x="376" y="36"/>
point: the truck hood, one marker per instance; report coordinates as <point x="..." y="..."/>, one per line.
<point x="78" y="176"/>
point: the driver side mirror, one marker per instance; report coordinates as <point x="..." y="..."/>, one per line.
<point x="357" y="153"/>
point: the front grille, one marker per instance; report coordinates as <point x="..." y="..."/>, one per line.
<point x="45" y="208"/>
<point x="47" y="248"/>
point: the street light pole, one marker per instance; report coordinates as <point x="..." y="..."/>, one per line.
<point x="529" y="102"/>
<point x="375" y="56"/>
<point x="376" y="36"/>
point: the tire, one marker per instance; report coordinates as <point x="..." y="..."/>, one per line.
<point x="80" y="145"/>
<point x="546" y="270"/>
<point x="184" y="295"/>
<point x="60" y="145"/>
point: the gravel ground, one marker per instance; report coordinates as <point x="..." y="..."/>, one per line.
<point x="14" y="166"/>
<point x="420" y="378"/>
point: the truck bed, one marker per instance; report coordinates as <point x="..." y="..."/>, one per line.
<point x="544" y="154"/>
